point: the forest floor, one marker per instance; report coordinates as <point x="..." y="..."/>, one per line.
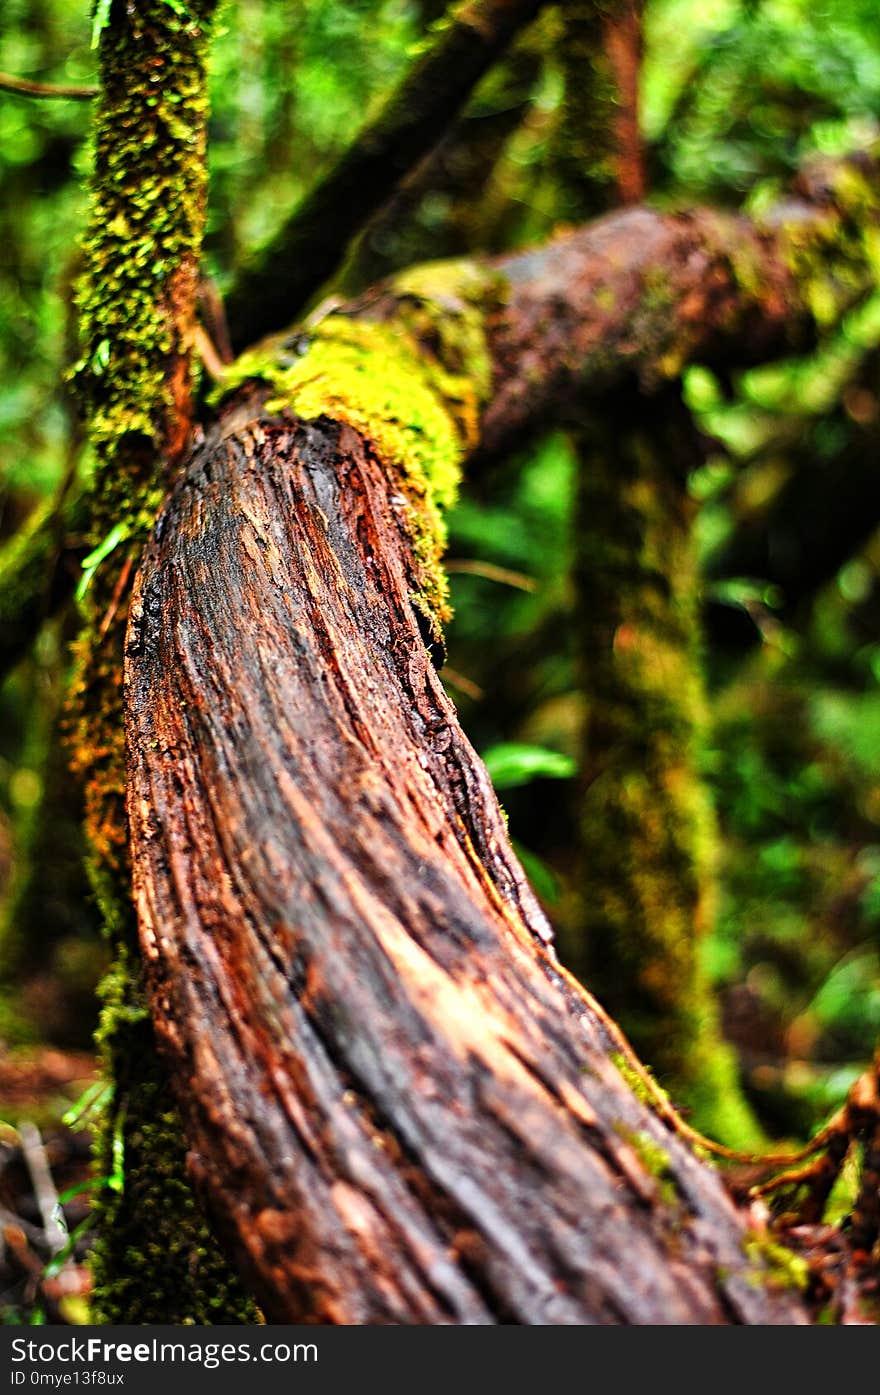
<point x="46" y="1096"/>
<point x="48" y="1099"/>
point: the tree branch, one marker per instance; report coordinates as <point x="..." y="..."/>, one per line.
<point x="637" y="293"/>
<point x="274" y="287"/>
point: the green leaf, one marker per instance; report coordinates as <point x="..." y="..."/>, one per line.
<point x="92" y="1099"/>
<point x="92" y="1184"/>
<point x="57" y="1262"/>
<point x="93" y="561"/>
<point x="542" y="877"/>
<point x="116" y="1180"/>
<point x="511" y="764"/>
<point x="100" y="20"/>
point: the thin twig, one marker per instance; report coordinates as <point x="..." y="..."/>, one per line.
<point x="23" y="87"/>
<point x="207" y="352"/>
<point x="118" y="593"/>
<point x="471" y="567"/>
<point x="44" y="1188"/>
<point x="463" y="684"/>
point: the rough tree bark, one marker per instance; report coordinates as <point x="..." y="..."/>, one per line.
<point x="400" y="1107"/>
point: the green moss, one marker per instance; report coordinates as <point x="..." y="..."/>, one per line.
<point x="142" y="246"/>
<point x="836" y="259"/>
<point x="155" y="1259"/>
<point x="652" y="1155"/>
<point x="413" y="383"/>
<point x="647" y="1094"/>
<point x="774" y="1263"/>
<point x="656" y="1162"/>
<point x="647" y="827"/>
<point x="370" y="376"/>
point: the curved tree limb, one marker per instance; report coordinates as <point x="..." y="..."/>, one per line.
<point x="637" y="293"/>
<point x="399" y="1106"/>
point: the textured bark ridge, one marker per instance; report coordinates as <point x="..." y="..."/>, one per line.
<point x="400" y="1108"/>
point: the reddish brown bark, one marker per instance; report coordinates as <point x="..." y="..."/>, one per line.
<point x="643" y="293"/>
<point x="400" y="1107"/>
<point x="623" y="45"/>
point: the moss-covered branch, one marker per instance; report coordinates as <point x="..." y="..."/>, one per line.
<point x="639" y="293"/>
<point x="312" y="242"/>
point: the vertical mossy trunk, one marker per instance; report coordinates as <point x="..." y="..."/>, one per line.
<point x="598" y="150"/>
<point x="647" y="829"/>
<point x="156" y="1260"/>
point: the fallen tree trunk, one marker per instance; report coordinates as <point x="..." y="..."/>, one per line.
<point x="400" y="1107"/>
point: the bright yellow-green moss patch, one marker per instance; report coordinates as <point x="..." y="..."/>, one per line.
<point x="835" y="260"/>
<point x="647" y="1094"/>
<point x="412" y="382"/>
<point x="371" y="376"/>
<point x="775" y="1264"/>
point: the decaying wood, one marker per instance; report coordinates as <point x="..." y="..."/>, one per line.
<point x="400" y="1107"/>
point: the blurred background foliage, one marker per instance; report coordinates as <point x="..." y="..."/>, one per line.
<point x="734" y="95"/>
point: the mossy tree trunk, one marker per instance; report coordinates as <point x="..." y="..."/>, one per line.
<point x="647" y="829"/>
<point x="598" y="153"/>
<point x="156" y="1260"/>
<point x="645" y="835"/>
